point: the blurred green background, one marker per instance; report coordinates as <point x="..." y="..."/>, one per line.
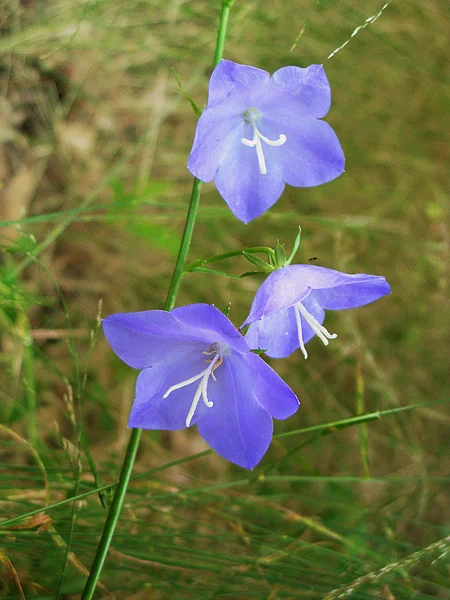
<point x="94" y="139"/>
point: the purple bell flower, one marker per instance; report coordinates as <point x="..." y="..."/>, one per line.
<point x="259" y="132"/>
<point x="196" y="368"/>
<point x="289" y="307"/>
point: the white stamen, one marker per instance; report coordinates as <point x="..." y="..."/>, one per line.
<point x="299" y="331"/>
<point x="318" y="329"/>
<point x="256" y="141"/>
<point x="201" y="391"/>
<point x="184" y="383"/>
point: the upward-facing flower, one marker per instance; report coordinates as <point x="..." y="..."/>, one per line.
<point x="289" y="307"/>
<point x="196" y="368"/>
<point x="259" y="132"/>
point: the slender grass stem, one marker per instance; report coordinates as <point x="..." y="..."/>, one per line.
<point x="322" y="427"/>
<point x="133" y="444"/>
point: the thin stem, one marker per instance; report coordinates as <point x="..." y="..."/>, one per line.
<point x="221" y="34"/>
<point x="323" y="427"/>
<point x="113" y="515"/>
<point x="184" y="247"/>
<point x="133" y="444"/>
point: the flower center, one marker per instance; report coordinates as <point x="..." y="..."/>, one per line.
<point x="217" y="351"/>
<point x="252" y="116"/>
<point x="318" y="329"/>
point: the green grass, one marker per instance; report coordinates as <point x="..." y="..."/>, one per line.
<point x="95" y="137"/>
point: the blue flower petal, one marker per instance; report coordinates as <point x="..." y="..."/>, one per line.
<point x="209" y="323"/>
<point x="144" y="338"/>
<point x="309" y="86"/>
<point x="353" y="294"/>
<point x="150" y="409"/>
<point x="230" y="78"/>
<point x="277" y="333"/>
<point x="237" y="427"/>
<point x="281" y="289"/>
<point x="216" y="130"/>
<point x="239" y="181"/>
<point x="311" y="155"/>
<point x="271" y="391"/>
<point x="287" y="286"/>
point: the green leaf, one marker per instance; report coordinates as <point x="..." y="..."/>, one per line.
<point x="197" y="110"/>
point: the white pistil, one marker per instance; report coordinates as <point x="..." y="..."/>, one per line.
<point x="299" y="331"/>
<point x="201" y="391"/>
<point x="256" y="141"/>
<point x="318" y="329"/>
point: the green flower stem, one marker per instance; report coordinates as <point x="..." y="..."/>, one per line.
<point x="184" y="247"/>
<point x="221" y="34"/>
<point x="206" y="261"/>
<point x="133" y="444"/>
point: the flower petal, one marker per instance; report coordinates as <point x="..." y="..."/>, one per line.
<point x="311" y="155"/>
<point x="237" y="427"/>
<point x="354" y="293"/>
<point x="282" y="288"/>
<point x="216" y="129"/>
<point x="309" y="86"/>
<point x="239" y="181"/>
<point x="287" y="286"/>
<point x="229" y="77"/>
<point x="144" y="338"/>
<point x="150" y="409"/>
<point x="271" y="391"/>
<point x="277" y="333"/>
<point x="210" y="323"/>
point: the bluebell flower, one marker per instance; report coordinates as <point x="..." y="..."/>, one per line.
<point x="289" y="307"/>
<point x="259" y="132"/>
<point x="196" y="368"/>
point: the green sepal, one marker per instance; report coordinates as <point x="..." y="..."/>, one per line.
<point x="258" y="351"/>
<point x="258" y="262"/>
<point x="197" y="110"/>
<point x="280" y="255"/>
<point x="295" y="247"/>
<point x="226" y="310"/>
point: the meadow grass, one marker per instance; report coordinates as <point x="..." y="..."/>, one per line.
<point x="95" y="135"/>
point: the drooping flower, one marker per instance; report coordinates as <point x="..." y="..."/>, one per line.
<point x="289" y="307"/>
<point x="259" y="132"/>
<point x="196" y="368"/>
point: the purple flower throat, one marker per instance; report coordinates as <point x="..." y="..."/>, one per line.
<point x="253" y="116"/>
<point x="216" y="354"/>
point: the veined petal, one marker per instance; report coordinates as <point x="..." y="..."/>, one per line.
<point x="216" y="129"/>
<point x="270" y="390"/>
<point x="352" y="294"/>
<point x="282" y="288"/>
<point x="239" y="181"/>
<point x="287" y="286"/>
<point x="237" y="427"/>
<point x="312" y="154"/>
<point x="210" y="323"/>
<point x="309" y="87"/>
<point x="277" y="333"/>
<point x="229" y="77"/>
<point x="150" y="409"/>
<point x="144" y="338"/>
